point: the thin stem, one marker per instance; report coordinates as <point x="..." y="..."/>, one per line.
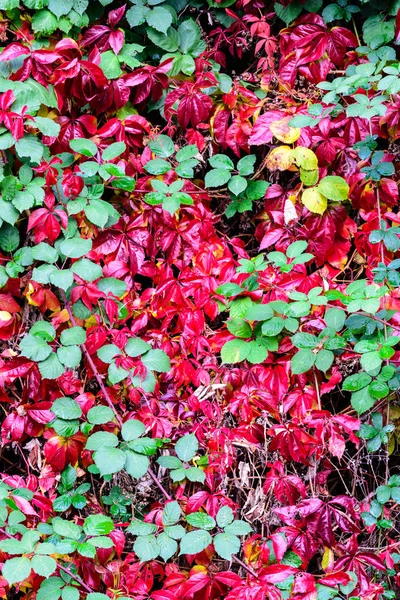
<point x="103" y="389"/>
<point x="158" y="484"/>
<point x="91" y="363"/>
<point x="246" y="567"/>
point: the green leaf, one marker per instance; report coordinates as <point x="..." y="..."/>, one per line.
<point x="159" y="19"/>
<point x="234" y="351"/>
<point x="30" y="147"/>
<point x="47" y="126"/>
<point x="62" y="279"/>
<point x="43" y="565"/>
<point x="83" y="146"/>
<point x="168" y="42"/>
<point x="108" y="352"/>
<point x="60" y="7"/>
<point x="156" y="360"/>
<point x="166" y="546"/>
<point x="99" y="415"/>
<point x="245" y="165"/>
<point x="171" y="513"/>
<point x="335" y="318"/>
<point x="109" y="64"/>
<point x="201" y="520"/>
<point x="217" y="178"/>
<point x="356" y="382"/>
<point x="259" y="312"/>
<point x="66" y="408"/>
<point x="290" y="12"/>
<point x="70" y="356"/>
<point x="132" y="429"/>
<point x="157" y="166"/>
<point x="76" y="247"/>
<point x="195" y="541"/>
<point x="73" y="336"/>
<point x="224" y="516"/>
<point x="169" y="462"/>
<point x="136" y="464"/>
<point x="258" y="350"/>
<point x="98" y="525"/>
<point x="237" y="184"/>
<point x="141" y="528"/>
<point x="35" y="348"/>
<point x="66" y="529"/>
<point x="16" y="569"/>
<point x="189" y="35"/>
<point x="146" y="548"/>
<point x="238" y="528"/>
<point x="9" y="238"/>
<point x="226" y="544"/>
<point x="162" y="146"/>
<point x="324" y="360"/>
<point x="334" y="188"/>
<point x="113" y="151"/>
<point x="362" y="401"/>
<point x="109" y="460"/>
<point x="186" y="447"/>
<point x="302" y="361"/>
<point x="371" y="362"/>
<point x="87" y="270"/>
<point x="70" y="593"/>
<point x="136" y="347"/>
<point x="101" y="439"/>
<point x="296" y="248"/>
<point x="239" y="328"/>
<point x="44" y="253"/>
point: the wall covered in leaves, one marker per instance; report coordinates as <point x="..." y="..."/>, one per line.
<point x="199" y="303"/>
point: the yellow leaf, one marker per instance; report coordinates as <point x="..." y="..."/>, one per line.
<point x="5" y="316"/>
<point x="327" y="559"/>
<point x="309" y="177"/>
<point x="283" y="132"/>
<point x="314" y="201"/>
<point x="279" y="159"/>
<point x="305" y="158"/>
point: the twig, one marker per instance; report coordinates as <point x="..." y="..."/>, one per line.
<point x="91" y="363"/>
<point x="246" y="567"/>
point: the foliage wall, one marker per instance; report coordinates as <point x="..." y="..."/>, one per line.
<point x="199" y="304"/>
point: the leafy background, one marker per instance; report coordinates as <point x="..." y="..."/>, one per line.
<point x="199" y="304"/>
